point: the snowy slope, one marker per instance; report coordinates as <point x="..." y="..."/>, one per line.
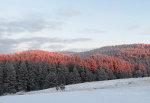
<point x="113" y="91"/>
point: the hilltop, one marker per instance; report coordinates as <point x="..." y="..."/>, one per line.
<point x="38" y="69"/>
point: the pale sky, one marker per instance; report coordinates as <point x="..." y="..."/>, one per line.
<point x="72" y="25"/>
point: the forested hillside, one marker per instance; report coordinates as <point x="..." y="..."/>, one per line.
<point x="37" y="69"/>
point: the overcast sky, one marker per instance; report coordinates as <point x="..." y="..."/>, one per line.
<point x="74" y="25"/>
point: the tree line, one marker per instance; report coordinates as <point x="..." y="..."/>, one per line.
<point x="27" y="76"/>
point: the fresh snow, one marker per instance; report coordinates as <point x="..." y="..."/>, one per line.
<point x="133" y="90"/>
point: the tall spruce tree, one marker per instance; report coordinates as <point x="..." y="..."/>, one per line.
<point x="101" y="74"/>
<point x="1" y="77"/>
<point x="51" y="80"/>
<point x="74" y="76"/>
<point x="22" y="77"/>
<point x="9" y="79"/>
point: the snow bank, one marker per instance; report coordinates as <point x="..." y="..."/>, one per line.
<point x="134" y="90"/>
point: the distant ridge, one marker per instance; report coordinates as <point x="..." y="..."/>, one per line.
<point x="123" y="56"/>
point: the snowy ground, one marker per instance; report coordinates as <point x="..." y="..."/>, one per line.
<point x="113" y="91"/>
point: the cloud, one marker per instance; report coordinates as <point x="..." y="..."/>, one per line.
<point x="78" y="49"/>
<point x="92" y="31"/>
<point x="36" y="22"/>
<point x="32" y="23"/>
<point x="5" y="48"/>
<point x="133" y="27"/>
<point x="9" y="45"/>
<point x="27" y="24"/>
<point x="50" y="40"/>
<point x="56" y="46"/>
<point x="67" y="12"/>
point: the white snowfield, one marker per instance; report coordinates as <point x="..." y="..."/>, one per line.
<point x="133" y="90"/>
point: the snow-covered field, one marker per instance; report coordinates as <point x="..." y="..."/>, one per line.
<point x="113" y="91"/>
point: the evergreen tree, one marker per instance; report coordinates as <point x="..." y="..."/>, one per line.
<point x="22" y="77"/>
<point x="61" y="76"/>
<point x="89" y="76"/>
<point x="32" y="81"/>
<point x="101" y="74"/>
<point x="82" y="73"/>
<point x="9" y="79"/>
<point x="74" y="76"/>
<point x="1" y="77"/>
<point x="51" y="80"/>
<point x="43" y="72"/>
